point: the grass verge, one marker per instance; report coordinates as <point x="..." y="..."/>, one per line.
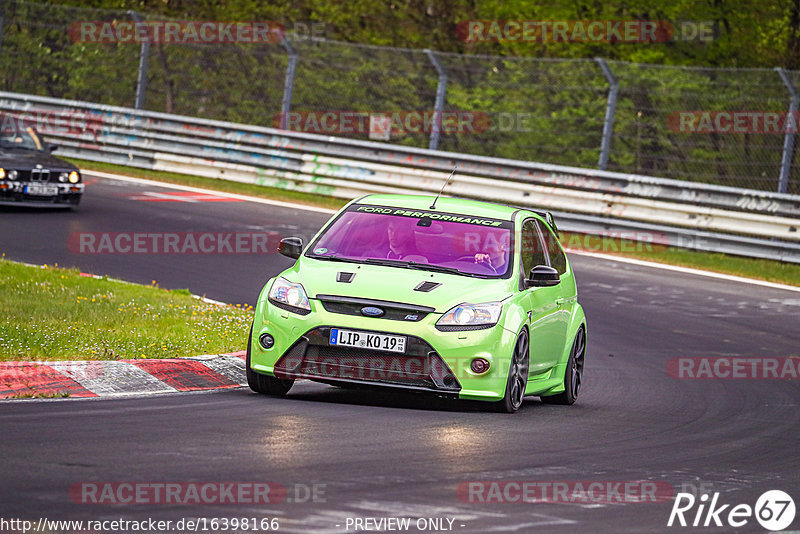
<point x="772" y="271"/>
<point x="33" y="394"/>
<point x="57" y="314"/>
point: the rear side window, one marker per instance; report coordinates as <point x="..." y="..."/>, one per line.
<point x="531" y="252"/>
<point x="557" y="259"/>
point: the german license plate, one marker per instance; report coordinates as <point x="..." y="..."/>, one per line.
<point x="42" y="190"/>
<point x="367" y="340"/>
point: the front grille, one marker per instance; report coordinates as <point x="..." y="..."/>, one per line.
<point x="420" y="367"/>
<point x="394" y="311"/>
<point x="40" y="175"/>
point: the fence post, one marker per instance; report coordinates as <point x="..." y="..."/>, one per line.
<point x="788" y="139"/>
<point x="288" y="84"/>
<point x="438" y="108"/>
<point x="611" y="107"/>
<point x="144" y="58"/>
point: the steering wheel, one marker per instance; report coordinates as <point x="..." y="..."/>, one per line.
<point x="471" y="259"/>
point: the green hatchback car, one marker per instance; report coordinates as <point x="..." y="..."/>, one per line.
<point x="447" y="296"/>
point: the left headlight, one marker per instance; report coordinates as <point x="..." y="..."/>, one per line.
<point x="74" y="177"/>
<point x="469" y="315"/>
<point x="290" y="294"/>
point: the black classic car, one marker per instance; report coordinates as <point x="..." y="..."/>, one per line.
<point x="29" y="174"/>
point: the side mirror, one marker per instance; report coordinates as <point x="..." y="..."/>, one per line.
<point x="291" y="247"/>
<point x="52" y="148"/>
<point x="543" y="276"/>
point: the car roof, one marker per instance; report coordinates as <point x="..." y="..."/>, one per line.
<point x="463" y="206"/>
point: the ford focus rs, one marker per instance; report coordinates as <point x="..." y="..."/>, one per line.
<point x="452" y="297"/>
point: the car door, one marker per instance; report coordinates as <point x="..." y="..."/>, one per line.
<point x="548" y="318"/>
<point x="568" y="296"/>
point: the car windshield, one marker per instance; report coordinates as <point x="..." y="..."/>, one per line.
<point x="425" y="240"/>
<point x="15" y="134"/>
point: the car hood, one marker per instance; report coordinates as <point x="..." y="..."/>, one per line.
<point x="395" y="284"/>
<point x="23" y="159"/>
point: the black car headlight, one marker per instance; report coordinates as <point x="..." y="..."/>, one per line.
<point x="71" y="177"/>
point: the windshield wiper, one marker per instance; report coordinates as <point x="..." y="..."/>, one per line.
<point x="334" y="257"/>
<point x="414" y="265"/>
<point x="386" y="262"/>
<point x="400" y="263"/>
<point x="434" y="267"/>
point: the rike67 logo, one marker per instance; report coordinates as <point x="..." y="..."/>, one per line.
<point x="774" y="510"/>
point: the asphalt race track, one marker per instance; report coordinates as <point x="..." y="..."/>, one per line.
<point x="374" y="455"/>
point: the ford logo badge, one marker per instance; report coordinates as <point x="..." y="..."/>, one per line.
<point x="371" y="311"/>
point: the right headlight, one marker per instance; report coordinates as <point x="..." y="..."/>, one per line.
<point x="468" y="316"/>
<point x="292" y="296"/>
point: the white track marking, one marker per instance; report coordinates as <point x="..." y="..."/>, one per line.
<point x="207" y="191"/>
<point x="686" y="270"/>
<point x="109" y="378"/>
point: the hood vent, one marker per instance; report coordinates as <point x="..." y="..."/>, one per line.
<point x="427" y="286"/>
<point x="344" y="277"/>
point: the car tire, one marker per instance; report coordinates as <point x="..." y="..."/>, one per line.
<point x="267" y="385"/>
<point x="573" y="375"/>
<point x="517" y="375"/>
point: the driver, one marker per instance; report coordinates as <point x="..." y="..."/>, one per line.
<point x="494" y="256"/>
<point x="401" y="239"/>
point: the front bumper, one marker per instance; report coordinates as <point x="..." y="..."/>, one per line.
<point x="434" y="361"/>
<point x="420" y="367"/>
<point x="14" y="194"/>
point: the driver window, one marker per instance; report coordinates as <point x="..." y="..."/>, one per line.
<point x="557" y="259"/>
<point x="532" y="251"/>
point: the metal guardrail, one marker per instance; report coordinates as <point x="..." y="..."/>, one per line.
<point x="686" y="214"/>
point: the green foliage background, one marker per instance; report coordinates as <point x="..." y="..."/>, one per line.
<point x="546" y="101"/>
